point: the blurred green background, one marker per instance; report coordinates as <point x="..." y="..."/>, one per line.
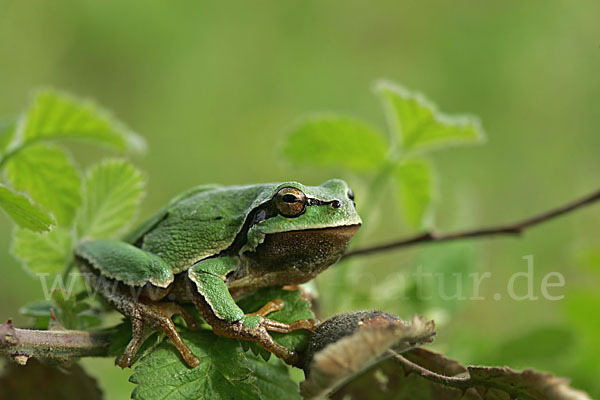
<point x="213" y="86"/>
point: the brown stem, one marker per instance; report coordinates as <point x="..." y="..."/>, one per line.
<point x="452" y="381"/>
<point x="459" y="382"/>
<point x="515" y="228"/>
<point x="51" y="345"/>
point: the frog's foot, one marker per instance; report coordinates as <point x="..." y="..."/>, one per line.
<point x="276" y="326"/>
<point x="147" y="318"/>
<point x="256" y="326"/>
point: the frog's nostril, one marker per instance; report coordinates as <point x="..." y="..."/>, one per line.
<point x="336" y="204"/>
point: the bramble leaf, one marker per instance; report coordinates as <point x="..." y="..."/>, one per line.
<point x="414" y="187"/>
<point x="113" y="191"/>
<point x="70" y="312"/>
<point x="418" y="125"/>
<point x="43" y="252"/>
<point x="224" y="372"/>
<point x="39" y="311"/>
<point x="54" y="115"/>
<point x="272" y="378"/>
<point x="23" y="212"/>
<point x="336" y="141"/>
<point x="50" y="177"/>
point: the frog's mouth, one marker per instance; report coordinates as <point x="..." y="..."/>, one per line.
<point x="292" y="257"/>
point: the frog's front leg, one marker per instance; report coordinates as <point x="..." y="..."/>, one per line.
<point x="214" y="302"/>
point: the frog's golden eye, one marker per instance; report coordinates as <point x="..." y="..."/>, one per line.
<point x="290" y="202"/>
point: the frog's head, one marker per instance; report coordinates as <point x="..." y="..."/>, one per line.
<point x="297" y="233"/>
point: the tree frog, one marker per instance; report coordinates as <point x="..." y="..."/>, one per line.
<point x="213" y="244"/>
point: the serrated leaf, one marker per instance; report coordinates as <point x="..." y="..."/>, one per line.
<point x="50" y="177"/>
<point x="418" y="125"/>
<point x="336" y="141"/>
<point x="222" y="373"/>
<point x="273" y="378"/>
<point x="121" y="337"/>
<point x="415" y="188"/>
<point x="23" y="212"/>
<point x="113" y="191"/>
<point x="54" y="115"/>
<point x="295" y="309"/>
<point x="43" y="252"/>
<point x="70" y="312"/>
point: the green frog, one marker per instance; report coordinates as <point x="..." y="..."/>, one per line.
<point x="214" y="244"/>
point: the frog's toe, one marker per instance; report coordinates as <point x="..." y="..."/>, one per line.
<point x="276" y="326"/>
<point x="271" y="306"/>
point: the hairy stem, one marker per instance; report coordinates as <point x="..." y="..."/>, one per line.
<point x="515" y="228"/>
<point x="52" y="345"/>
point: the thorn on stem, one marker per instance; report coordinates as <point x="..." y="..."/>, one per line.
<point x="20" y="359"/>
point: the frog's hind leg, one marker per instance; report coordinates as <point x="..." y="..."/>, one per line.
<point x="146" y="316"/>
<point x="149" y="317"/>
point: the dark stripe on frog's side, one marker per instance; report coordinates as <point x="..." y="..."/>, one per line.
<point x="262" y="213"/>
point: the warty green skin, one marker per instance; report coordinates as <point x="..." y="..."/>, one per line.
<point x="203" y="232"/>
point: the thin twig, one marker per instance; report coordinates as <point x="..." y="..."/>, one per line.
<point x="459" y="382"/>
<point x="51" y="345"/>
<point x="515" y="228"/>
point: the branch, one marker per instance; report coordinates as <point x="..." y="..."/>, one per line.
<point x="478" y="380"/>
<point x="514" y="229"/>
<point x="51" y="345"/>
<point x="458" y="382"/>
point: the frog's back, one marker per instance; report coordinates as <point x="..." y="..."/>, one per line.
<point x="200" y="223"/>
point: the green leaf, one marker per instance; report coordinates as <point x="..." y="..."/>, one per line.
<point x="39" y="311"/>
<point x="70" y="312"/>
<point x="273" y="378"/>
<point x="418" y="125"/>
<point x="224" y="372"/>
<point x="121" y="337"/>
<point x="415" y="190"/>
<point x="54" y="115"/>
<point x="50" y="177"/>
<point x="336" y="141"/>
<point x="295" y="309"/>
<point x="23" y="212"/>
<point x="43" y="252"/>
<point x="113" y="191"/>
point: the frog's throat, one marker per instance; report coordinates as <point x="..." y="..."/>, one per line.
<point x="291" y="257"/>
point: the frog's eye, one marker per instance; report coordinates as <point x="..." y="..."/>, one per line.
<point x="290" y="202"/>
